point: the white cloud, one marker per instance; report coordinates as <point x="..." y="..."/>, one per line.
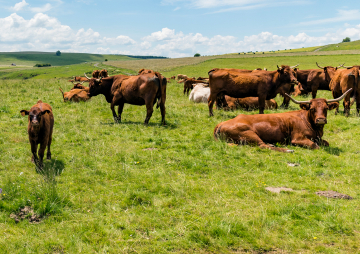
<point x="45" y="8"/>
<point x="342" y="15"/>
<point x="19" y="6"/>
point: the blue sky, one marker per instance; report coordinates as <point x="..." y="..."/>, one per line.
<point x="174" y="28"/>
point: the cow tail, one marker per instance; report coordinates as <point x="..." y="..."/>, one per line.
<point x="62" y="93"/>
<point x="158" y="75"/>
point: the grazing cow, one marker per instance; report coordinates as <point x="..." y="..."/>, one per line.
<point x="40" y="129"/>
<point x="143" y="89"/>
<point x="181" y="76"/>
<point x="189" y="84"/>
<point x="262" y="84"/>
<point x="303" y="127"/>
<point x="200" y="93"/>
<point x="248" y="103"/>
<point x="342" y="81"/>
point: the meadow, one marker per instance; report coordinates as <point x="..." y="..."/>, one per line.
<point x="130" y="188"/>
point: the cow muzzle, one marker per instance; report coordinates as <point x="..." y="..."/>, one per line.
<point x="321" y="121"/>
<point x="35" y="124"/>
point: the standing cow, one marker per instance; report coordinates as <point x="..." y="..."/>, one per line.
<point x="40" y="129"/>
<point x="261" y="84"/>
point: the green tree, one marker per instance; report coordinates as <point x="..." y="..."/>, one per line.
<point x="197" y="55"/>
<point x="347" y="39"/>
<point x="58" y="53"/>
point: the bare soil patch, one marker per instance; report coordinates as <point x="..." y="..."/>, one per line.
<point x="278" y="189"/>
<point x="26" y="213"/>
<point x="333" y="194"/>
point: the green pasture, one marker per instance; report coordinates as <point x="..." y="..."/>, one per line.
<point x="130" y="188"/>
<point x="342" y="46"/>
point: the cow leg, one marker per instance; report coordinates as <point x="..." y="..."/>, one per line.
<point x="162" y="109"/>
<point x="335" y="96"/>
<point x="115" y="101"/>
<point x="48" y="153"/>
<point x="34" y="157"/>
<point x="304" y="143"/>
<point x="347" y="105"/>
<point x="357" y="104"/>
<point x="211" y="101"/>
<point x="41" y="154"/>
<point x="253" y="138"/>
<point x="149" y="111"/>
<point x="120" y="110"/>
<point x="314" y="90"/>
<point x="262" y="99"/>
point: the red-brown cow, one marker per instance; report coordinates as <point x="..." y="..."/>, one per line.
<point x="79" y="79"/>
<point x="103" y="73"/>
<point x="248" y="103"/>
<point x="40" y="129"/>
<point x="341" y="82"/>
<point x="262" y="84"/>
<point x="189" y="84"/>
<point x="144" y="89"/>
<point x="303" y="127"/>
<point x="76" y="94"/>
<point x="96" y="74"/>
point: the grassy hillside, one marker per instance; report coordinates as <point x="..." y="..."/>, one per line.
<point x="127" y="187"/>
<point x="353" y="45"/>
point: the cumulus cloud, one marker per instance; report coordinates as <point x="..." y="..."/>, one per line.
<point x="45" y="33"/>
<point x="19" y="6"/>
<point x="45" y="8"/>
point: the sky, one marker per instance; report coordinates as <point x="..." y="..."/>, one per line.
<point x="174" y="28"/>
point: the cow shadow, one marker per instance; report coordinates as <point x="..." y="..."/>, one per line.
<point x="51" y="168"/>
<point x="168" y="125"/>
<point x="332" y="150"/>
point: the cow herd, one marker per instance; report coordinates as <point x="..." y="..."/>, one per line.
<point x="229" y="89"/>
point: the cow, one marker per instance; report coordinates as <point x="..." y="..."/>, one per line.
<point x="103" y="73"/>
<point x="80" y="86"/>
<point x="143" y="89"/>
<point x="262" y="84"/>
<point x="342" y="81"/>
<point x="248" y="103"/>
<point x="96" y="74"/>
<point x="313" y="80"/>
<point x="189" y="84"/>
<point x="181" y="76"/>
<point x="200" y="93"/>
<point x="173" y="77"/>
<point x="303" y="127"/>
<point x="75" y="94"/>
<point x="79" y="79"/>
<point x="40" y="129"/>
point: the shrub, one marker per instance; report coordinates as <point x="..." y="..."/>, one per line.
<point x="106" y="60"/>
<point x="347" y="39"/>
<point x="58" y="53"/>
<point x="42" y="65"/>
<point x="197" y="55"/>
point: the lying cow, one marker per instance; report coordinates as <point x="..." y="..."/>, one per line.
<point x="303" y="127"/>
<point x="200" y="93"/>
<point x="40" y="129"/>
<point x="79" y="79"/>
<point x="181" y="76"/>
<point x="248" y="103"/>
<point x="76" y="94"/>
<point x="145" y="89"/>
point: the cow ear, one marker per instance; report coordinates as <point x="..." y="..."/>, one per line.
<point x="24" y="112"/>
<point x="45" y="111"/>
<point x="305" y="106"/>
<point x="333" y="105"/>
<point x="325" y="69"/>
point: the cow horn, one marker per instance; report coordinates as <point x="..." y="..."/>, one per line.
<point x="279" y="68"/>
<point x="295" y="101"/>
<point x="86" y="76"/>
<point x="319" y="66"/>
<point x="82" y="82"/>
<point x="341" y="97"/>
<point x="342" y="65"/>
<point x="292" y="67"/>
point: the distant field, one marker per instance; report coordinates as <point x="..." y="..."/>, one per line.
<point x="354" y="45"/>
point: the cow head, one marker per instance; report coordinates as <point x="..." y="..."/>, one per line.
<point x="287" y="74"/>
<point x="145" y="71"/>
<point x="35" y="115"/>
<point x="317" y="108"/>
<point x="103" y="73"/>
<point x="95" y="87"/>
<point x="329" y="71"/>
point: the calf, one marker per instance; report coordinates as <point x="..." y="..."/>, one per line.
<point x="40" y="129"/>
<point x="200" y="93"/>
<point x="303" y="127"/>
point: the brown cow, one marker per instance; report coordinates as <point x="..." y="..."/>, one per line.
<point x="248" y="103"/>
<point x="96" y="74"/>
<point x="262" y="84"/>
<point x="181" y="76"/>
<point x="79" y="79"/>
<point x="342" y="81"/>
<point x="173" y="77"/>
<point x="303" y="127"/>
<point x="40" y="129"/>
<point x="189" y="84"/>
<point x="103" y="73"/>
<point x="76" y="94"/>
<point x="143" y="89"/>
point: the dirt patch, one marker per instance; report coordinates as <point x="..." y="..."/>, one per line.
<point x="149" y="149"/>
<point x="333" y="194"/>
<point x="278" y="189"/>
<point x="293" y="164"/>
<point x="26" y="213"/>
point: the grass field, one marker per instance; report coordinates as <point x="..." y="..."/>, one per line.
<point x="354" y="45"/>
<point x="130" y="188"/>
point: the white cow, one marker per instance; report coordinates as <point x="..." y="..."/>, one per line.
<point x="200" y="93"/>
